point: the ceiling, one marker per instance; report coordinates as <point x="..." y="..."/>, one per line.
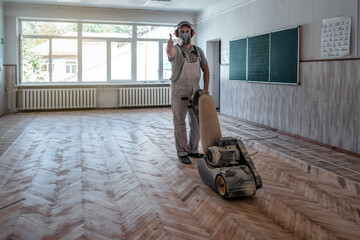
<point x="168" y="5"/>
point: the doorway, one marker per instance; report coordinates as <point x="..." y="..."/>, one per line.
<point x="213" y="49"/>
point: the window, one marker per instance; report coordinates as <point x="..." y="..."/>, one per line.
<point x="44" y="66"/>
<point x="106" y="30"/>
<point x="153" y="32"/>
<point x="166" y="64"/>
<point x="71" y="67"/>
<point x="120" y="60"/>
<point x="56" y="52"/>
<point x="151" y="63"/>
<point x="63" y="51"/>
<point x="147" y="61"/>
<point x="35" y="60"/>
<point x="94" y="60"/>
<point x="40" y="28"/>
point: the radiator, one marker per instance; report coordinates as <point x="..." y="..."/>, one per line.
<point x="144" y="96"/>
<point x="70" y="98"/>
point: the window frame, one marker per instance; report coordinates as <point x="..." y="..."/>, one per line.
<point x="133" y="40"/>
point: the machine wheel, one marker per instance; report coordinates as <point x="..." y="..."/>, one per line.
<point x="221" y="186"/>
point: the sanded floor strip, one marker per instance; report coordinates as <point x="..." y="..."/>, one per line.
<point x="114" y="174"/>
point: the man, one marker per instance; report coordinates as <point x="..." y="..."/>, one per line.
<point x="186" y="61"/>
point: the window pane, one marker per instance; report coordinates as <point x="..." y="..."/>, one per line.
<point x="166" y="64"/>
<point x="35" y="60"/>
<point x="106" y="30"/>
<point x="64" y="54"/>
<point x="147" y="61"/>
<point x="49" y="28"/>
<point x="120" y="60"/>
<point x="154" y="32"/>
<point x="94" y="61"/>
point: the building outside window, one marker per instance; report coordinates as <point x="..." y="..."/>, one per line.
<point x="100" y="52"/>
<point x="71" y="67"/>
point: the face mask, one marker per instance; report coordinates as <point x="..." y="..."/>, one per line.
<point x="185" y="37"/>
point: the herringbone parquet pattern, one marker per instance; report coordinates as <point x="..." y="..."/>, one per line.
<point x="113" y="174"/>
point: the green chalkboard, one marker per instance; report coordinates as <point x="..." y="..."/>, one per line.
<point x="284" y="59"/>
<point x="237" y="60"/>
<point x="258" y="58"/>
<point x="271" y="57"/>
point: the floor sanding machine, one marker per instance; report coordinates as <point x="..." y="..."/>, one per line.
<point x="226" y="166"/>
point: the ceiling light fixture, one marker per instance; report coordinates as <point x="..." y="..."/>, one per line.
<point x="70" y="1"/>
<point x="157" y="3"/>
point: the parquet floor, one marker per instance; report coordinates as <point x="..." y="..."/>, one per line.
<point x="114" y="174"/>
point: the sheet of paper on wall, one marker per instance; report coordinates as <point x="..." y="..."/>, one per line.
<point x="335" y="37"/>
<point x="225" y="57"/>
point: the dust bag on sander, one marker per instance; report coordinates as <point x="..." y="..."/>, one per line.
<point x="208" y="122"/>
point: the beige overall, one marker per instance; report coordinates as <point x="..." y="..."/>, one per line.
<point x="185" y="86"/>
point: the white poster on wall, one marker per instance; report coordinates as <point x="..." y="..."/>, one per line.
<point x="225" y="57"/>
<point x="335" y="37"/>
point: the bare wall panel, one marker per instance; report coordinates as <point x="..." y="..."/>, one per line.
<point x="325" y="107"/>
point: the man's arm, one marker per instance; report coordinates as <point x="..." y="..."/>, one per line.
<point x="206" y="76"/>
<point x="170" y="50"/>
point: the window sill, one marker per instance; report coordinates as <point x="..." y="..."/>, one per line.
<point x="157" y="83"/>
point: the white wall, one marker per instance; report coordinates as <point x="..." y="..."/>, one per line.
<point x="2" y="75"/>
<point x="324" y="107"/>
<point x="262" y="16"/>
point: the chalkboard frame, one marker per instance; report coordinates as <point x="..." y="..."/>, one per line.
<point x="269" y="81"/>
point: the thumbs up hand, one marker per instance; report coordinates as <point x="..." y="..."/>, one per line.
<point x="170" y="42"/>
<point x="170" y="50"/>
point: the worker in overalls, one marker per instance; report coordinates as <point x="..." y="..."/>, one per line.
<point x="186" y="60"/>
